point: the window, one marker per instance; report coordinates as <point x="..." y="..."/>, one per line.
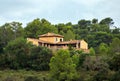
<point x="60" y="40"/>
<point x="56" y="39"/>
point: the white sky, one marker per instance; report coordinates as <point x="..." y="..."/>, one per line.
<point x="58" y="11"/>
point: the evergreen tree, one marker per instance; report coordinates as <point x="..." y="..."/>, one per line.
<point x="115" y="46"/>
<point x="103" y="49"/>
<point x="62" y="67"/>
<point x="92" y="51"/>
<point x="69" y="35"/>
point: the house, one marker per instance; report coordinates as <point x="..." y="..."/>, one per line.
<point x="56" y="41"/>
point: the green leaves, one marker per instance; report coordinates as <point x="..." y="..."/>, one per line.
<point x="20" y="54"/>
<point x="114" y="62"/>
<point x="37" y="27"/>
<point x="17" y="52"/>
<point x="115" y="46"/>
<point x="69" y="35"/>
<point x="103" y="49"/>
<point x="40" y="58"/>
<point x="92" y="51"/>
<point x="62" y="66"/>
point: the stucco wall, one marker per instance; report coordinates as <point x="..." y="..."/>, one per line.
<point x="51" y="39"/>
<point x="83" y="45"/>
<point x="33" y="41"/>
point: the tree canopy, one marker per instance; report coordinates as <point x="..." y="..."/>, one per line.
<point x="62" y="67"/>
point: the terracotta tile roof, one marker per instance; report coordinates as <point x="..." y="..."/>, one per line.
<point x="41" y="41"/>
<point x="50" y="35"/>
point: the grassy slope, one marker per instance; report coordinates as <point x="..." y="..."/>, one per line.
<point x="20" y="75"/>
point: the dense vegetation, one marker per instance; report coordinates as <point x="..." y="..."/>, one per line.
<point x="101" y="64"/>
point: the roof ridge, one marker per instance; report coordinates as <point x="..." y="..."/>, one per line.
<point x="50" y="34"/>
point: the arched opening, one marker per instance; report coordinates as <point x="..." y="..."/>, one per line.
<point x="61" y="40"/>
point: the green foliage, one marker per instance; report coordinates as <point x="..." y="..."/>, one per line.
<point x="116" y="76"/>
<point x="116" y="30"/>
<point x="93" y="63"/>
<point x="81" y="58"/>
<point x="92" y="51"/>
<point x="22" y="75"/>
<point x="8" y="32"/>
<point x="94" y="21"/>
<point x="37" y="27"/>
<point x="40" y="58"/>
<point x="33" y="28"/>
<point x="66" y="30"/>
<point x="69" y="35"/>
<point x="107" y="21"/>
<point x="17" y="53"/>
<point x="114" y="62"/>
<point x="103" y="49"/>
<point x="31" y="78"/>
<point x="97" y="38"/>
<point x="62" y="68"/>
<point x="64" y="27"/>
<point x="115" y="46"/>
<point x="95" y="27"/>
<point x="84" y="23"/>
<point x="75" y="59"/>
<point x="10" y="79"/>
<point x="102" y="75"/>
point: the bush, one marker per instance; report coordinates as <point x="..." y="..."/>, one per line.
<point x="114" y="63"/>
<point x="116" y="76"/>
<point x="32" y="78"/>
<point x="40" y="58"/>
<point x="10" y="79"/>
<point x="19" y="54"/>
<point x="95" y="63"/>
<point x="102" y="75"/>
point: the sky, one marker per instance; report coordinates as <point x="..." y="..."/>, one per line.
<point x="58" y="11"/>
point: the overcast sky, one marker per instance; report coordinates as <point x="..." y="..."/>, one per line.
<point x="58" y="11"/>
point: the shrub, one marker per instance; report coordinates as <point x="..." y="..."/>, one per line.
<point x="32" y="78"/>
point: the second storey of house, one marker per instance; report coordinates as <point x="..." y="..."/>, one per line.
<point x="51" y="37"/>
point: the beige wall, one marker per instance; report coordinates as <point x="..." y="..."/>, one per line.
<point x="51" y="39"/>
<point x="83" y="45"/>
<point x="58" y="39"/>
<point x="33" y="41"/>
